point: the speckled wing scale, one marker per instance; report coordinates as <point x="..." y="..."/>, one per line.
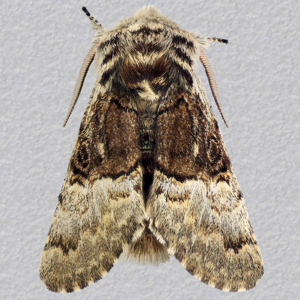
<point x="149" y="175"/>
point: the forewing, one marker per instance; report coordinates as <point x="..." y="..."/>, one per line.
<point x="100" y="207"/>
<point x="196" y="207"/>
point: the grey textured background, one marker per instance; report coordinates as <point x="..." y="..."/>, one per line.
<point x="43" y="44"/>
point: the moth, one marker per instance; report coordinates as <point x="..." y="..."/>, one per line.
<point x="150" y="176"/>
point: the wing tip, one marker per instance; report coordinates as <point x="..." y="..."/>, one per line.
<point x="57" y="282"/>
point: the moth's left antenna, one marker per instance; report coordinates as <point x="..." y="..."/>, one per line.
<point x="92" y="19"/>
<point x="211" y="76"/>
<point x="84" y="68"/>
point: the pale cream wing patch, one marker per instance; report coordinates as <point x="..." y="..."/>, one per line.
<point x="206" y="226"/>
<point x="91" y="226"/>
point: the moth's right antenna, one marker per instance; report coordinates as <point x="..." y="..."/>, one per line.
<point x="82" y="74"/>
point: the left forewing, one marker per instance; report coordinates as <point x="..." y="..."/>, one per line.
<point x="100" y="208"/>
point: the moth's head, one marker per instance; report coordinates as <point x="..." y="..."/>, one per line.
<point x="145" y="15"/>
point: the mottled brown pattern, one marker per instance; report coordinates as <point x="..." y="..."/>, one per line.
<point x="149" y="175"/>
